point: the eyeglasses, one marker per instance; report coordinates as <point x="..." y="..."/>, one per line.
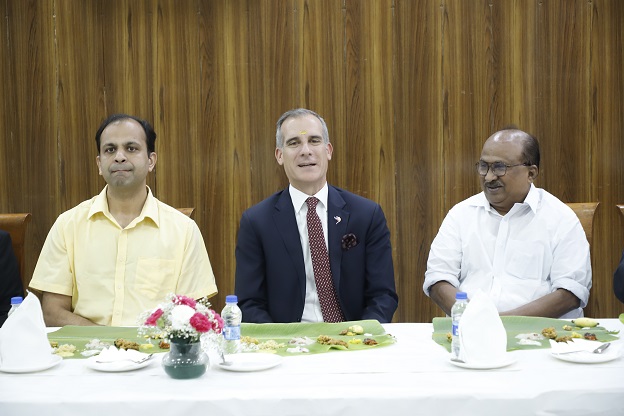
<point x="498" y="168"/>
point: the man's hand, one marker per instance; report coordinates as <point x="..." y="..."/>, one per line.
<point x="57" y="311"/>
<point x="553" y="305"/>
<point x="443" y="293"/>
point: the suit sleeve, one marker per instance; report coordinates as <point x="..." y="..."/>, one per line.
<point x="618" y="280"/>
<point x="381" y="299"/>
<point x="251" y="285"/>
<point x="10" y="282"/>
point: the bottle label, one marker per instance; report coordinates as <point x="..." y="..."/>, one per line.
<point x="455" y="329"/>
<point x="231" y="333"/>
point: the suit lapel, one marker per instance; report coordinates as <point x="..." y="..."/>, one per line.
<point x="337" y="220"/>
<point x="286" y="224"/>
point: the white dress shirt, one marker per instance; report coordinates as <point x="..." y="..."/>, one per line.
<point x="538" y="247"/>
<point x="312" y="309"/>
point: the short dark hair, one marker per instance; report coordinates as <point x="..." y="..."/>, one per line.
<point x="531" y="150"/>
<point x="150" y="134"/>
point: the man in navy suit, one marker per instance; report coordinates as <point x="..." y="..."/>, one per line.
<point x="618" y="280"/>
<point x="10" y="281"/>
<point x="274" y="273"/>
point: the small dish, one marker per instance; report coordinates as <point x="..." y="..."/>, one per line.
<point x="54" y="360"/>
<point x="250" y="362"/>
<point x="484" y="366"/>
<point x="115" y="366"/>
<point x="586" y="357"/>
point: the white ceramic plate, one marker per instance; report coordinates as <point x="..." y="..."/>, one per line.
<point x="251" y="362"/>
<point x="584" y="357"/>
<point x="115" y="366"/>
<point x="487" y="366"/>
<point x="54" y="360"/>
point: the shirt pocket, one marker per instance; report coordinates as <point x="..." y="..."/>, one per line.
<point x="525" y="260"/>
<point x="155" y="277"/>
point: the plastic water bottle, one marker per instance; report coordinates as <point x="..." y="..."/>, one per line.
<point x="16" y="301"/>
<point x="461" y="301"/>
<point x="232" y="317"/>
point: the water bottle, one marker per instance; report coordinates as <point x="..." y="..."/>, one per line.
<point x="16" y="301"/>
<point x="232" y="317"/>
<point x="461" y="301"/>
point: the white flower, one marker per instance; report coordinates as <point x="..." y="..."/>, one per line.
<point x="180" y="316"/>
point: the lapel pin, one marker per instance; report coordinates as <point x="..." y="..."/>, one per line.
<point x="338" y="219"/>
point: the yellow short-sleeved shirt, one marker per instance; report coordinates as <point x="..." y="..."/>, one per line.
<point x="115" y="274"/>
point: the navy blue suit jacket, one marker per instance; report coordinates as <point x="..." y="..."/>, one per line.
<point x="270" y="272"/>
<point x="618" y="280"/>
<point x="10" y="281"/>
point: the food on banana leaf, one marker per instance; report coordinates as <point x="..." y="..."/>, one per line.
<point x="576" y="335"/>
<point x="248" y="340"/>
<point x="369" y="341"/>
<point x="585" y="322"/>
<point x="164" y="345"/>
<point x="449" y="337"/>
<point x="64" y="350"/>
<point x="532" y="338"/>
<point x="563" y="338"/>
<point x="326" y="340"/>
<point x="355" y="341"/>
<point x="353" y="330"/>
<point x="568" y="328"/>
<point x="549" y="332"/>
<point x="590" y="336"/>
<point x="124" y="344"/>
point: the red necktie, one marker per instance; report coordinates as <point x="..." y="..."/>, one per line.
<point x="320" y="265"/>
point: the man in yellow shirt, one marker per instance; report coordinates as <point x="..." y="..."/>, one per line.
<point x="118" y="254"/>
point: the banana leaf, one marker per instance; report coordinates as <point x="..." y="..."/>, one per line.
<point x="282" y="333"/>
<point x="79" y="336"/>
<point x="515" y="325"/>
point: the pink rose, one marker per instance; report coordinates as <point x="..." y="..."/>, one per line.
<point x="153" y="318"/>
<point x="200" y="322"/>
<point x="185" y="300"/>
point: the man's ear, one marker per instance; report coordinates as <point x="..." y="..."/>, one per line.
<point x="152" y="161"/>
<point x="533" y="173"/>
<point x="278" y="156"/>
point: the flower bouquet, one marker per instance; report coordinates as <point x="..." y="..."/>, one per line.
<point x="184" y="323"/>
<point x="180" y="319"/>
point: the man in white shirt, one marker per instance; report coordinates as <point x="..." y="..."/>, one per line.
<point x="516" y="242"/>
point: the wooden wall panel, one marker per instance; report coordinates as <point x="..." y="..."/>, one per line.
<point x="410" y="91"/>
<point x="81" y="99"/>
<point x="419" y="129"/>
<point x="30" y="136"/>
<point x="606" y="123"/>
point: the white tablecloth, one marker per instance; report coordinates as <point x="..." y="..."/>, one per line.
<point x="412" y="377"/>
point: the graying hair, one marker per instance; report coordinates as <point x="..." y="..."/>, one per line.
<point x="298" y="112"/>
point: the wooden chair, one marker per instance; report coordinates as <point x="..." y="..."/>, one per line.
<point x="621" y="207"/>
<point x="585" y="212"/>
<point x="15" y="225"/>
<point x="187" y="211"/>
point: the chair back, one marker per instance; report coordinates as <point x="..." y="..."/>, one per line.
<point x="187" y="211"/>
<point x="15" y="225"/>
<point x="585" y="212"/>
<point x="621" y="207"/>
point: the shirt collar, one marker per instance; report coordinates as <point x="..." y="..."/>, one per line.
<point x="299" y="198"/>
<point x="150" y="208"/>
<point x="532" y="200"/>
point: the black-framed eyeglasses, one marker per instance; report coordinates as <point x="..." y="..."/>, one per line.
<point x="498" y="168"/>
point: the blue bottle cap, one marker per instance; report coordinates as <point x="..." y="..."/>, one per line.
<point x="461" y="295"/>
<point x="16" y="300"/>
<point x="231" y="299"/>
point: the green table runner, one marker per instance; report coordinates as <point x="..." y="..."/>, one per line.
<point x="79" y="336"/>
<point x="515" y="325"/>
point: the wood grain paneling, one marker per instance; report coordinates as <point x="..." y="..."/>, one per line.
<point x="410" y="91"/>
<point x="30" y="137"/>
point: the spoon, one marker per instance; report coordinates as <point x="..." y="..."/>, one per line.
<point x="601" y="348"/>
<point x="139" y="361"/>
<point x="223" y="362"/>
